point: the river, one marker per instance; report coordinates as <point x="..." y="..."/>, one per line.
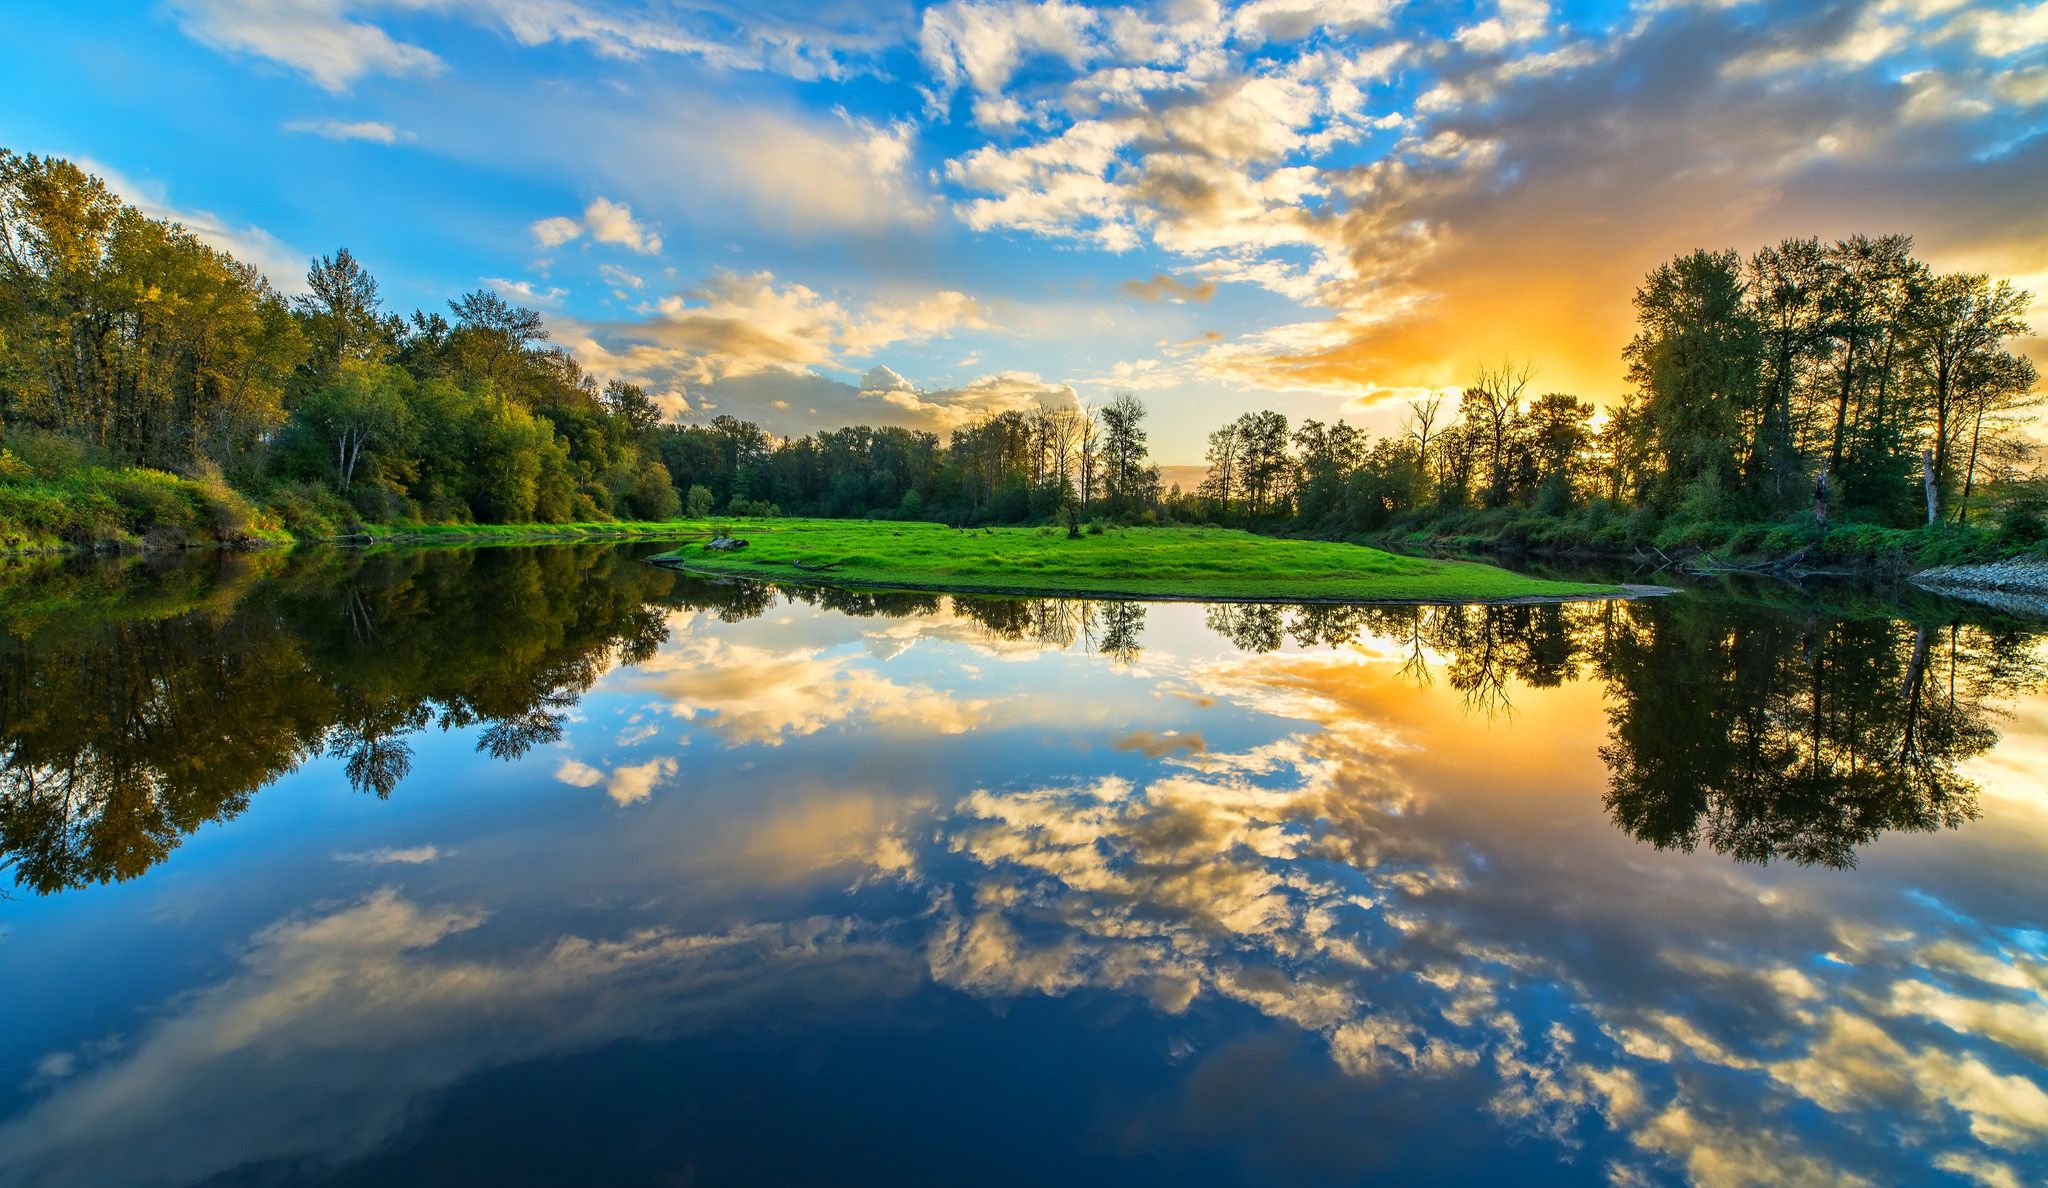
<point x="544" y="864"/>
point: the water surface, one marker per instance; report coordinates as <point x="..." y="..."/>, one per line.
<point x="542" y="865"/>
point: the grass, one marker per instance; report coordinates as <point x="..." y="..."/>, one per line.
<point x="1204" y="563"/>
<point x="124" y="507"/>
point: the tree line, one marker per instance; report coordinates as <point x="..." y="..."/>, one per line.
<point x="1010" y="467"/>
<point x="125" y="341"/>
<point x="1816" y="382"/>
<point x="1848" y="378"/>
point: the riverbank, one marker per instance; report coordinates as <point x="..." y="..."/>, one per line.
<point x="2016" y="587"/>
<point x="1208" y="564"/>
<point x="136" y="510"/>
<point x="1794" y="548"/>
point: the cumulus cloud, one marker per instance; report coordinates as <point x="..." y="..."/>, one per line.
<point x="634" y="783"/>
<point x="626" y="784"/>
<point x="526" y="292"/>
<point x="1513" y="201"/>
<point x="605" y="221"/>
<point x="753" y="344"/>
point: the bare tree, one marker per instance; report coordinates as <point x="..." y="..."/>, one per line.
<point x="1493" y="402"/>
<point x="1420" y="426"/>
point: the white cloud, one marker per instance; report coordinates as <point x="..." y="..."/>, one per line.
<point x="605" y="221"/>
<point x="982" y="44"/>
<point x="336" y="43"/>
<point x="578" y="774"/>
<point x="317" y="38"/>
<point x="613" y="222"/>
<point x="390" y="856"/>
<point x="526" y="292"/>
<point x="555" y="230"/>
<point x="372" y="131"/>
<point x="743" y="324"/>
<point x="795" y="173"/>
<point x="635" y="783"/>
<point x="625" y="785"/>
<point x="284" y="265"/>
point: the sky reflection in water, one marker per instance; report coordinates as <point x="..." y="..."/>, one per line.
<point x="717" y="882"/>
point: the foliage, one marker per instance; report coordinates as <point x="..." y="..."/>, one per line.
<point x="158" y="359"/>
<point x="1847" y="385"/>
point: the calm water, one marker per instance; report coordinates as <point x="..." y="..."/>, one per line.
<point x="543" y="865"/>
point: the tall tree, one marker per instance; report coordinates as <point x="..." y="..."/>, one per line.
<point x="1128" y="479"/>
<point x="1957" y="328"/>
<point x="1492" y="404"/>
<point x="341" y="316"/>
<point x="1695" y="362"/>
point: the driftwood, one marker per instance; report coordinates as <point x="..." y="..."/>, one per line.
<point x="1708" y="563"/>
<point x="816" y="568"/>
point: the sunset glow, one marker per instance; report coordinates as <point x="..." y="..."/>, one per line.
<point x="814" y="214"/>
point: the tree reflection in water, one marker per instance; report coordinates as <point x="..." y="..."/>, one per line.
<point x="139" y="703"/>
<point x="137" y="706"/>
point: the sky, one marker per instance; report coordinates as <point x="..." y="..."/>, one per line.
<point x="819" y="213"/>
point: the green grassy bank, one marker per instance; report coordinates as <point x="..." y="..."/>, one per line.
<point x="1204" y="563"/>
<point x="136" y="509"/>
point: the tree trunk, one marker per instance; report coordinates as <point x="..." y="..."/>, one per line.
<point x="1927" y="479"/>
<point x="1970" y="472"/>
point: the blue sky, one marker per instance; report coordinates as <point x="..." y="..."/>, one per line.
<point x="812" y="214"/>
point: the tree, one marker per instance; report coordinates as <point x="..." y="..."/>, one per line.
<point x="699" y="503"/>
<point x="491" y="335"/>
<point x="1128" y="482"/>
<point x="365" y="404"/>
<point x="1957" y="329"/>
<point x="1560" y="437"/>
<point x="1221" y="481"/>
<point x="1492" y="404"/>
<point x="632" y="406"/>
<point x="1420" y="423"/>
<point x="1787" y="287"/>
<point x="1870" y="283"/>
<point x="1695" y="361"/>
<point x="341" y="317"/>
<point x="1996" y="387"/>
<point x="1263" y="465"/>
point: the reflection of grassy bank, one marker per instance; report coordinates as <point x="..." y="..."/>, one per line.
<point x="1206" y="563"/>
<point x="493" y="533"/>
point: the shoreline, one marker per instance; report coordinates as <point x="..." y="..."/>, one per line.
<point x="372" y="535"/>
<point x="1621" y="591"/>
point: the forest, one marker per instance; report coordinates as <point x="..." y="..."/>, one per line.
<point x="155" y="390"/>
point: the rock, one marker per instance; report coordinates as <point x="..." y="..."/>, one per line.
<point x="2026" y="577"/>
<point x="726" y="544"/>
